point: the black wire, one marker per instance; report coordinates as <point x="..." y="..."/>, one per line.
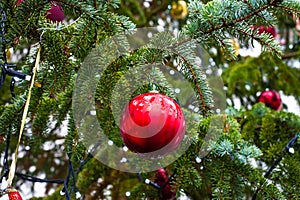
<point x="3" y="66"/>
<point x="35" y="179"/>
<point x="155" y="185"/>
<point x="5" y="70"/>
<point x="66" y="191"/>
<point x="3" y="75"/>
<point x="5" y="158"/>
<point x="168" y="181"/>
<point x="89" y="156"/>
<point x="289" y="145"/>
<point x="26" y="177"/>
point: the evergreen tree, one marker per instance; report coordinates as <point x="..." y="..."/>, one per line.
<point x="75" y="65"/>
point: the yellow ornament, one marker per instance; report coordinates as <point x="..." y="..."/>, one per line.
<point x="236" y="46"/>
<point x="179" y="9"/>
<point x="8" y="55"/>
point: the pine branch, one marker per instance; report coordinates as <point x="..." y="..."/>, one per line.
<point x="209" y="21"/>
<point x="183" y="49"/>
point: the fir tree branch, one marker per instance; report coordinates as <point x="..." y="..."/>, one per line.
<point x="205" y="108"/>
<point x="232" y="17"/>
<point x="265" y="42"/>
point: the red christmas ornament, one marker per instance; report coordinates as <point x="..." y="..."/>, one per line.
<point x="152" y="122"/>
<point x="271" y="98"/>
<point x="13" y="194"/>
<point x="270" y="29"/>
<point x="55" y="13"/>
<point x="19" y="2"/>
<point x="161" y="179"/>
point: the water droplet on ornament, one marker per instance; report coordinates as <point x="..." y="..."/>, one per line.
<point x="135" y="102"/>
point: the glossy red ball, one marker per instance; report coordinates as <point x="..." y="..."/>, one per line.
<point x="14" y="195"/>
<point x="271" y="98"/>
<point x="152" y="123"/>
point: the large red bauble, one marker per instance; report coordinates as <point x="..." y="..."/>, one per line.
<point x="271" y="98"/>
<point x="13" y="195"/>
<point x="152" y="122"/>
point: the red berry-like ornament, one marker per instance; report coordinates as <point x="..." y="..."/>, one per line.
<point x="19" y="2"/>
<point x="152" y="123"/>
<point x="13" y="194"/>
<point x="271" y="98"/>
<point x="55" y="13"/>
<point x="161" y="178"/>
<point x="270" y="29"/>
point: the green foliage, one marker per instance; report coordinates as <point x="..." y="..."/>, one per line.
<point x="253" y="75"/>
<point x="243" y="143"/>
<point x="213" y="23"/>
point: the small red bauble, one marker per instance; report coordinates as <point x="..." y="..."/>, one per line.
<point x="271" y="98"/>
<point x="19" y="2"/>
<point x="55" y="13"/>
<point x="13" y="194"/>
<point x="152" y="122"/>
<point x="161" y="179"/>
<point x="270" y="29"/>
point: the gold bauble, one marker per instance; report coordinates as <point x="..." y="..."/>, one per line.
<point x="236" y="46"/>
<point x="179" y="9"/>
<point x="8" y="55"/>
